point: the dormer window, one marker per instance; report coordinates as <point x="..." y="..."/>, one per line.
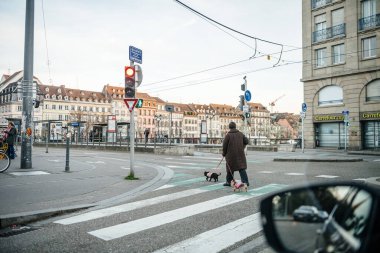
<point x="47" y="96"/>
<point x="59" y="90"/>
<point x="53" y="96"/>
<point x="66" y="98"/>
<point x="47" y="89"/>
<point x="82" y="93"/>
<point x="59" y="97"/>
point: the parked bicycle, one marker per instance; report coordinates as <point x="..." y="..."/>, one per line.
<point x="5" y="162"/>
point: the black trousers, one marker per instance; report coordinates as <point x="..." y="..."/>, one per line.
<point x="243" y="176"/>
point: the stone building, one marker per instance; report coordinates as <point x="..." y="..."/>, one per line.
<point x="341" y="73"/>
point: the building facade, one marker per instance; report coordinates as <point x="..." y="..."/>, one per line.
<point x="88" y="112"/>
<point x="341" y="73"/>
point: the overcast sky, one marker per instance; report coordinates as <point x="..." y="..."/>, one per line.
<point x="88" y="41"/>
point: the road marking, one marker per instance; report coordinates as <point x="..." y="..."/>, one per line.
<point x="95" y="162"/>
<point x="266" y="172"/>
<point x="226" y="235"/>
<point x="360" y="179"/>
<point x="327" y="176"/>
<point x="295" y="174"/>
<point x="179" y="183"/>
<point x="128" y="207"/>
<point x="29" y="173"/>
<point x="56" y="161"/>
<point x="182" y="167"/>
<point x="378" y="160"/>
<point x="124" y="229"/>
<point x="124" y="168"/>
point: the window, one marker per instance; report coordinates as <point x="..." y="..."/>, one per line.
<point x="320" y="55"/>
<point x="373" y="91"/>
<point x="60" y="107"/>
<point x="330" y="95"/>
<point x="53" y="107"/>
<point x="368" y="8"/>
<point x="338" y="54"/>
<point x="337" y="17"/>
<point x="320" y="22"/>
<point x="369" y="47"/>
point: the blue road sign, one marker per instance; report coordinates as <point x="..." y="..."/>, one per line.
<point x="135" y="54"/>
<point x="247" y="95"/>
<point x="74" y="124"/>
<point x="304" y="107"/>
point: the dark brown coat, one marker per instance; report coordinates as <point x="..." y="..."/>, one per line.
<point x="233" y="150"/>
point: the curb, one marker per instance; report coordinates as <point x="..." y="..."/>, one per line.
<point x="27" y="217"/>
<point x="164" y="174"/>
<point x="317" y="160"/>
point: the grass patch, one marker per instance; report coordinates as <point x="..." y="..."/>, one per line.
<point x="131" y="177"/>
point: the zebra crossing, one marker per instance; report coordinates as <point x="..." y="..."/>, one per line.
<point x="213" y="240"/>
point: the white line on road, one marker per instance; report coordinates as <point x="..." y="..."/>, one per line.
<point x="378" y="160"/>
<point x="29" y="173"/>
<point x="135" y="226"/>
<point x="95" y="162"/>
<point x="327" y="176"/>
<point x="226" y="235"/>
<point x="266" y="172"/>
<point x="128" y="207"/>
<point x="295" y="174"/>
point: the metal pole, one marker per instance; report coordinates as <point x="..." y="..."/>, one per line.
<point x="27" y="85"/>
<point x="345" y="136"/>
<point x="302" y="141"/>
<point x="67" y="167"/>
<point x="47" y="139"/>
<point x="132" y="138"/>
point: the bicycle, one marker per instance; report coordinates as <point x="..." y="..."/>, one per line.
<point x="5" y="162"/>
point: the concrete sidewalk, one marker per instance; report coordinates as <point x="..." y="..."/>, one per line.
<point x="47" y="190"/>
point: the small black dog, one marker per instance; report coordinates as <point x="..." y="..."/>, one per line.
<point x="212" y="175"/>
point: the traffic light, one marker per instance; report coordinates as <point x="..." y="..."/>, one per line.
<point x="139" y="103"/>
<point x="247" y="115"/>
<point x="129" y="81"/>
<point x="241" y="103"/>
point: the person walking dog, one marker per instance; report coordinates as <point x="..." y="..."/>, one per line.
<point x="233" y="150"/>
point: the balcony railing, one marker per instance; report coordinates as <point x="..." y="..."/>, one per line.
<point x="369" y="22"/>
<point x="331" y="32"/>
<point x="319" y="3"/>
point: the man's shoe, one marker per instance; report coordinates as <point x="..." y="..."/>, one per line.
<point x="226" y="184"/>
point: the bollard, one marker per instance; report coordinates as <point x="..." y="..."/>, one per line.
<point x="67" y="167"/>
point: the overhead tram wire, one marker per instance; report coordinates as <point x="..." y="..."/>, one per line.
<point x="229" y="28"/>
<point x="226" y="65"/>
<point x="197" y="82"/>
<point x="46" y="44"/>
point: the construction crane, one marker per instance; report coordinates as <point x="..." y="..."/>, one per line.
<point x="273" y="103"/>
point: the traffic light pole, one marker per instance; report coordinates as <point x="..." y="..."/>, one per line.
<point x="27" y="85"/>
<point x="132" y="138"/>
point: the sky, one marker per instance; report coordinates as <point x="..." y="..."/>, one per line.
<point x="84" y="44"/>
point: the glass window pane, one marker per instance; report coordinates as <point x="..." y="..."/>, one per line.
<point x="338" y="54"/>
<point x="337" y="17"/>
<point x="331" y="95"/>
<point x="373" y="91"/>
<point x="369" y="47"/>
<point x="368" y="8"/>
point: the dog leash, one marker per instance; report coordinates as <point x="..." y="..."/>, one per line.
<point x="220" y="162"/>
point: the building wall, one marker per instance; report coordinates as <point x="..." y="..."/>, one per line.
<point x="352" y="75"/>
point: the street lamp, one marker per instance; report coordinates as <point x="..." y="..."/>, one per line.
<point x="210" y="116"/>
<point x="158" y="119"/>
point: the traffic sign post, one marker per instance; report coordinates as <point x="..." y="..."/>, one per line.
<point x="346" y="123"/>
<point x="135" y="55"/>
<point x="303" y="116"/>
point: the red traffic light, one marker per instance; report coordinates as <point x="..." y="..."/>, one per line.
<point x="129" y="71"/>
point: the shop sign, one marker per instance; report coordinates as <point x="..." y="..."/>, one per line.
<point x="370" y="116"/>
<point x="328" y="118"/>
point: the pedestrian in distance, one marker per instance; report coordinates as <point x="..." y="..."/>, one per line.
<point x="10" y="134"/>
<point x="234" y="144"/>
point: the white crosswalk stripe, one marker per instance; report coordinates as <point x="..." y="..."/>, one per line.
<point x="226" y="235"/>
<point x="127" y="207"/>
<point x="135" y="226"/>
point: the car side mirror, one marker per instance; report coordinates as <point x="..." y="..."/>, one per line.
<point x="333" y="217"/>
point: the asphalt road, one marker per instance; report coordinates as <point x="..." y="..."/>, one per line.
<point x="184" y="214"/>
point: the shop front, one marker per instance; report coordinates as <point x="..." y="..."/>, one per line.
<point x="370" y="123"/>
<point x="329" y="130"/>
